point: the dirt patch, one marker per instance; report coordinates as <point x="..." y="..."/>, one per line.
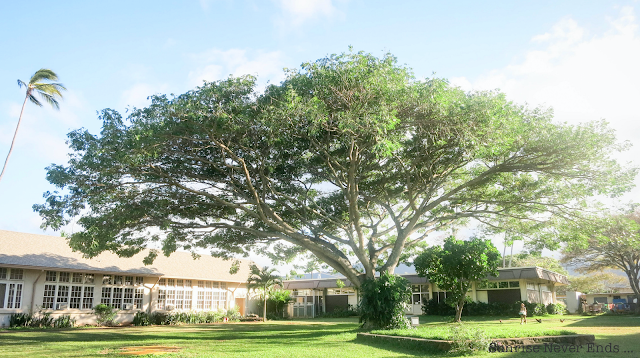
<point x="142" y="350"/>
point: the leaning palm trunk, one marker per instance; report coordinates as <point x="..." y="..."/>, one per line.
<point x="47" y="90"/>
<point x="15" y="134"/>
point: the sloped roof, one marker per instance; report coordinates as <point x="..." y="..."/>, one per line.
<point x="51" y="252"/>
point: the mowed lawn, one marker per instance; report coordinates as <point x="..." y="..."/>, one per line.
<point x="307" y="338"/>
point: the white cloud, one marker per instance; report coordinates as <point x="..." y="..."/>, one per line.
<point x="137" y="95"/>
<point x="216" y="64"/>
<point x="295" y="13"/>
<point x="582" y="76"/>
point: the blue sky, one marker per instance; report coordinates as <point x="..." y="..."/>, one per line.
<point x="580" y="57"/>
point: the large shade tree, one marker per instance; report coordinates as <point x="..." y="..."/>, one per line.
<point x="608" y="242"/>
<point x="350" y="158"/>
<point x="41" y="86"/>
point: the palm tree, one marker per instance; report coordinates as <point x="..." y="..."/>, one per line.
<point x="264" y="280"/>
<point x="41" y="83"/>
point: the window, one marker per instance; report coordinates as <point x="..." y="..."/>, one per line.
<point x="87" y="298"/>
<point x="531" y="286"/>
<point x="139" y="297"/>
<point x="128" y="295"/>
<point x="497" y="285"/>
<point x="76" y="297"/>
<point x="10" y="292"/>
<point x="16" y="274"/>
<point x="139" y="280"/>
<point x="49" y="296"/>
<point x="64" y="277"/>
<point x="74" y="289"/>
<point x="10" y="295"/>
<point x="128" y="280"/>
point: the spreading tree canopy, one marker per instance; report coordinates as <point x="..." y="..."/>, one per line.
<point x="608" y="242"/>
<point x="456" y="265"/>
<point x="350" y="158"/>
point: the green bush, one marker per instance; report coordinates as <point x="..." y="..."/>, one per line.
<point x="556" y="308"/>
<point x="105" y="315"/>
<point x="382" y="302"/>
<point x="340" y="312"/>
<point x="20" y="320"/>
<point x="64" y="321"/>
<point x="233" y="314"/>
<point x="142" y="319"/>
<point x="433" y="307"/>
<point x="467" y="340"/>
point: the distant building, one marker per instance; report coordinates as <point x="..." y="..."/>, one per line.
<point x="39" y="272"/>
<point x="533" y="284"/>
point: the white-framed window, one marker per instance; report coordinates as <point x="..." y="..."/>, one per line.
<point x="419" y="294"/>
<point x="498" y="285"/>
<point x="10" y="290"/>
<point x="179" y="294"/>
<point x="118" y="291"/>
<point x="73" y="289"/>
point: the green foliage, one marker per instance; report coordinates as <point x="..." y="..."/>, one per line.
<point x="340" y="312"/>
<point x="382" y="301"/>
<point x="105" y="315"/>
<point x="435" y="308"/>
<point x="534" y="259"/>
<point x="20" y="319"/>
<point x="264" y="280"/>
<point x="64" y="321"/>
<point x="598" y="282"/>
<point x="556" y="308"/>
<point x="142" y="319"/>
<point x="467" y="340"/>
<point x="42" y="319"/>
<point x="174" y="318"/>
<point x="404" y="157"/>
<point x="611" y="241"/>
<point x="456" y="265"/>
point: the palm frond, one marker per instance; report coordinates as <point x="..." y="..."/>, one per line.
<point x="43" y="74"/>
<point x="49" y="88"/>
<point x="21" y="83"/>
<point x="34" y="100"/>
<point x="49" y="99"/>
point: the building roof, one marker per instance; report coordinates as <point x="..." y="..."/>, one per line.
<point x="510" y="273"/>
<point x="51" y="252"/>
<point x="533" y="272"/>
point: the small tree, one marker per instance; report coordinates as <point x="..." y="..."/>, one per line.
<point x="105" y="314"/>
<point x="263" y="280"/>
<point x="456" y="265"/>
<point x="382" y="302"/>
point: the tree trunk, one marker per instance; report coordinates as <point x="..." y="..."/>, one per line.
<point x="504" y="252"/>
<point x="459" y="307"/>
<point x="511" y="256"/>
<point x="264" y="310"/>
<point x="14" y="136"/>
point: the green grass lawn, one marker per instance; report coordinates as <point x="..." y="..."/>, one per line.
<point x="308" y="338"/>
<point x="436" y="327"/>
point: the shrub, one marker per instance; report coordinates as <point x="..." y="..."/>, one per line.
<point x="105" y="315"/>
<point x="340" y="312"/>
<point x="142" y="319"/>
<point x="233" y="314"/>
<point x="556" y="308"/>
<point x="382" y="302"/>
<point x="433" y="307"/>
<point x="41" y="320"/>
<point x="20" y="320"/>
<point x="64" y="321"/>
<point x="158" y="318"/>
<point x="467" y="340"/>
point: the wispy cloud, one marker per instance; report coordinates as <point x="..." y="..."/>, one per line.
<point x="217" y="64"/>
<point x="295" y="13"/>
<point x="582" y="76"/>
